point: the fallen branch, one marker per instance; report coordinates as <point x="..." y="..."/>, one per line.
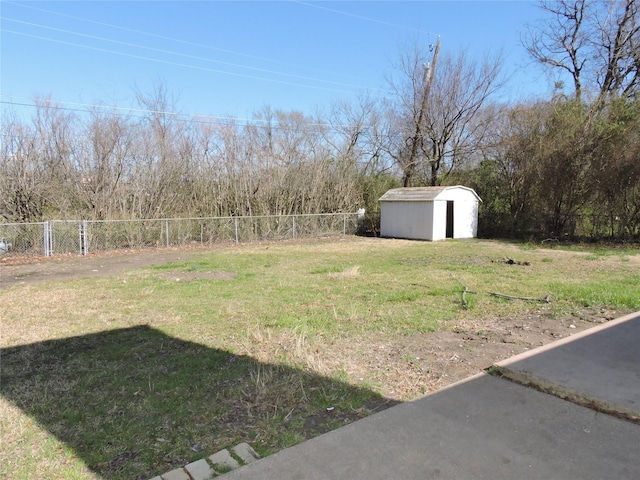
<point x="510" y="261"/>
<point x="546" y="299"/>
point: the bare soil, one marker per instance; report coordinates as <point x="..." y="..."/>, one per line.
<point x="19" y="270"/>
<point x="410" y="366"/>
<point x="403" y="367"/>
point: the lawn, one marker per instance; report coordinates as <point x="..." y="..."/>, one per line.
<point x="131" y="375"/>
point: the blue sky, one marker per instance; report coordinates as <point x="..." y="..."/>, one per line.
<point x="231" y="58"/>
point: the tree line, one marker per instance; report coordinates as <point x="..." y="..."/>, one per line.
<point x="565" y="165"/>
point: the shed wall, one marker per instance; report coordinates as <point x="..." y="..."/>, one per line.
<point x="412" y="220"/>
<point x="465" y="219"/>
<point x="440" y="220"/>
<point x="465" y="214"/>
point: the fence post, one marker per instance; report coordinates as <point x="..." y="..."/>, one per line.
<point x="51" y="240"/>
<point x="166" y="231"/>
<point x="236" y="225"/>
<point x="45" y="231"/>
<point x="294" y="227"/>
<point x="85" y="237"/>
<point x="80" y="241"/>
<point x="344" y="225"/>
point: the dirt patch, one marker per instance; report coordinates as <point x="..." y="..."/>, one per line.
<point x="29" y="270"/>
<point x="23" y="270"/>
<point x="408" y="367"/>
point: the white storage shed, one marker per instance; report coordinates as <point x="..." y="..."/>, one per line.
<point x="429" y="213"/>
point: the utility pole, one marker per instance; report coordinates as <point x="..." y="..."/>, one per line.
<point x="426" y="81"/>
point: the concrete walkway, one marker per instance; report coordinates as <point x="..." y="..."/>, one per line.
<point x="597" y="368"/>
<point x="497" y="427"/>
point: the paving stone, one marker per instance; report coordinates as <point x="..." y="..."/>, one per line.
<point x="156" y="478"/>
<point x="224" y="459"/>
<point x="245" y="452"/>
<point x="177" y="474"/>
<point x="200" y="470"/>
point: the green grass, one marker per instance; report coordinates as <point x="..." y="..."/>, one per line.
<point x="135" y="374"/>
<point x="618" y="293"/>
<point x="137" y="400"/>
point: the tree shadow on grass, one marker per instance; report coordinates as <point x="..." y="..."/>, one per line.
<point x="135" y="402"/>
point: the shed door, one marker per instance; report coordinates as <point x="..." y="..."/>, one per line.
<point x="449" y="233"/>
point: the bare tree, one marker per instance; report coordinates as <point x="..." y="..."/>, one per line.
<point x="23" y="195"/>
<point x="618" y="44"/>
<point x="596" y="42"/>
<point x="158" y="168"/>
<point x="41" y="163"/>
<point x="104" y="164"/>
<point x="560" y="42"/>
<point x="357" y="132"/>
<point x="449" y="129"/>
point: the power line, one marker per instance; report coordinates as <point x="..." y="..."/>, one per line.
<point x="82" y="107"/>
<point x="193" y="57"/>
<point x="116" y="109"/>
<point x="138" y="112"/>
<point x="361" y="17"/>
<point x="177" y="40"/>
<point x="182" y="65"/>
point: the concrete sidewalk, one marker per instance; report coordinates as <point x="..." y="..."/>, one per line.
<point x="489" y="427"/>
<point x="599" y="367"/>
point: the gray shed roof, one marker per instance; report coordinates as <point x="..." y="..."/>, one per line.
<point x="419" y="194"/>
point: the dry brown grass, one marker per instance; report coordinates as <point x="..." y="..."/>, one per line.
<point x="351" y="272"/>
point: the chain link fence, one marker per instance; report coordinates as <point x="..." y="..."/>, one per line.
<point x="58" y="237"/>
<point x="559" y="227"/>
<point x="24" y="238"/>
